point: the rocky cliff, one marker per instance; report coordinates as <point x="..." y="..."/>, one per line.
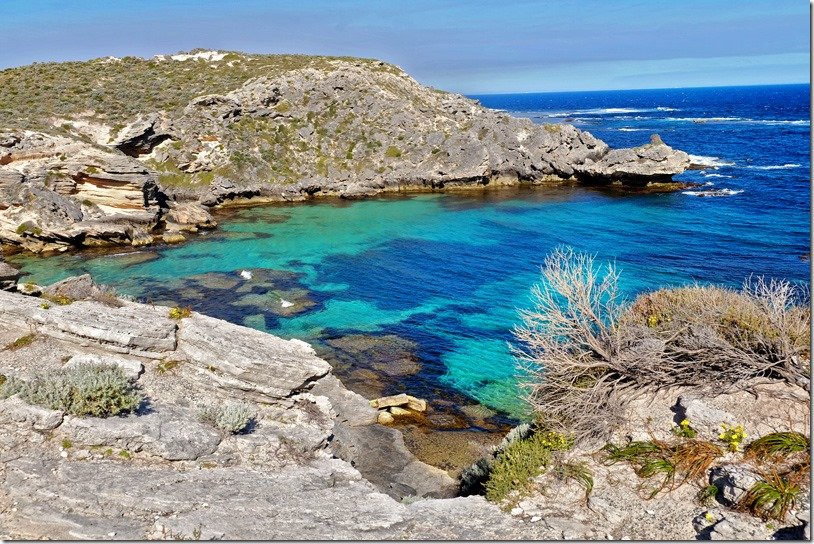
<point x="133" y="151"/>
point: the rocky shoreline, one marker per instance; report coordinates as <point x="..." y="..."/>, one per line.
<point x="316" y="464"/>
<point x="347" y="128"/>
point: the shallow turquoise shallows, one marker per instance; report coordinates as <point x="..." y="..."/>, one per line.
<point x="448" y="272"/>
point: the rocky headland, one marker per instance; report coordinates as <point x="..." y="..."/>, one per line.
<point x="315" y="462"/>
<point x="136" y="151"/>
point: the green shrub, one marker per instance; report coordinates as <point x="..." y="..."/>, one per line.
<point x="771" y="498"/>
<point x="232" y="418"/>
<point x="583" y="352"/>
<point x="83" y="390"/>
<point x="59" y="300"/>
<point x="179" y="313"/>
<point x="780" y="444"/>
<point x="392" y="152"/>
<point x="521" y="461"/>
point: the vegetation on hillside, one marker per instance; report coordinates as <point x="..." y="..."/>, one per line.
<point x="117" y="90"/>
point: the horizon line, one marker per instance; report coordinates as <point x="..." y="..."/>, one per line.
<point x="636" y="89"/>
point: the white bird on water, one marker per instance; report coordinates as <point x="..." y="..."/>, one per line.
<point x="246" y="275"/>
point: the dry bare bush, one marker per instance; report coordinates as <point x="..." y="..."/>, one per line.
<point x="584" y="353"/>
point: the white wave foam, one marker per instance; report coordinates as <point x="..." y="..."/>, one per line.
<point x="628" y="129"/>
<point x="775" y="167"/>
<point x="607" y="111"/>
<point x="712" y="162"/>
<point x="716" y="176"/>
<point x="745" y="120"/>
<point x="713" y="192"/>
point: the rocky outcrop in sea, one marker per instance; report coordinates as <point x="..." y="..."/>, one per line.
<point x="352" y="128"/>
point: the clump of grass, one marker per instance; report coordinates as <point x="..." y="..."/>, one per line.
<point x="179" y="313"/>
<point x="707" y="494"/>
<point x="232" y="418"/>
<point x="166" y="366"/>
<point x="770" y="498"/>
<point x="392" y="152"/>
<point x="778" y="444"/>
<point x="83" y="390"/>
<point x="577" y="472"/>
<point x="521" y="461"/>
<point x="22" y="342"/>
<point x="66" y="444"/>
<point x="674" y="464"/>
<point x="59" y="300"/>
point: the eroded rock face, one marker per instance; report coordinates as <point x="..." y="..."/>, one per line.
<point x="655" y="161"/>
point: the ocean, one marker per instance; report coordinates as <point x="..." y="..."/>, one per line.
<point x="419" y="294"/>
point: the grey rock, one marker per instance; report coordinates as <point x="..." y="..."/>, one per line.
<point x="132" y="368"/>
<point x="9" y="276"/>
<point x="40" y="419"/>
<point x="171" y="433"/>
<point x="140" y="136"/>
<point x="135" y="329"/>
<point x="75" y="288"/>
<point x="245" y="360"/>
<point x="732" y="482"/>
<point x="655" y="161"/>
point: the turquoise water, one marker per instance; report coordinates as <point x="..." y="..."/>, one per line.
<point x="447" y="273"/>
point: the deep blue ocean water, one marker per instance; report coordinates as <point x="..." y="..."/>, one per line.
<point x="448" y="272"/>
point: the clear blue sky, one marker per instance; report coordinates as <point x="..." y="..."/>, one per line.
<point x="469" y="46"/>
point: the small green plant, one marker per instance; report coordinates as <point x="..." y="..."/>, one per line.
<point x="179" y="313"/>
<point x="22" y="342"/>
<point x="521" y="461"/>
<point x="778" y="444"/>
<point x="59" y="300"/>
<point x="166" y="366"/>
<point x="124" y="454"/>
<point x="232" y="418"/>
<point x="771" y="498"/>
<point x="66" y="444"/>
<point x="688" y="460"/>
<point x="45" y="305"/>
<point x="575" y="471"/>
<point x="83" y="390"/>
<point x="684" y="429"/>
<point x="392" y="152"/>
<point x="706" y="495"/>
<point x="733" y="436"/>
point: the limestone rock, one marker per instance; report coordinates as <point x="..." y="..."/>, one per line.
<point x="732" y="482"/>
<point x="242" y="359"/>
<point x="74" y="288"/>
<point x="40" y="419"/>
<point x="400" y="400"/>
<point x="171" y="434"/>
<point x="8" y="276"/>
<point x="132" y="368"/>
<point x="655" y="161"/>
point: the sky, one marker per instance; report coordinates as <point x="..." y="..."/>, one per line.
<point x="468" y="46"/>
